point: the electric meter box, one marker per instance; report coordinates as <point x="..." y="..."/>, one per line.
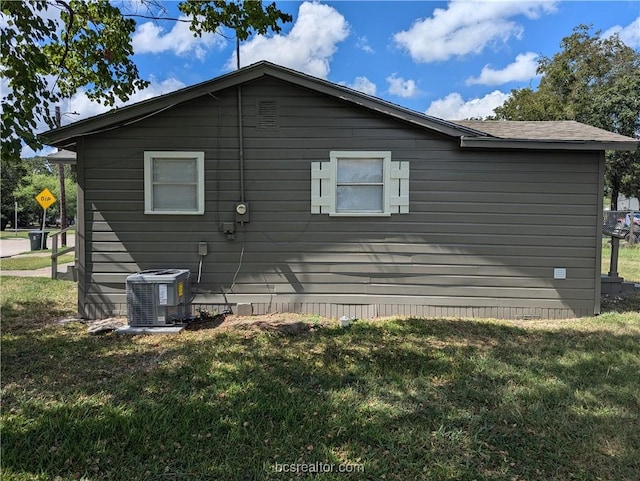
<point x="158" y="297"/>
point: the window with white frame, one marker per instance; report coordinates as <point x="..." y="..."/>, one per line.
<point x="359" y="183"/>
<point x="174" y="183"/>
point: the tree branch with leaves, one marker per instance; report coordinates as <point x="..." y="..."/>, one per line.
<point x="595" y="81"/>
<point x="52" y="48"/>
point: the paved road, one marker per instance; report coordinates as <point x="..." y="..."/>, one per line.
<point x="13" y="247"/>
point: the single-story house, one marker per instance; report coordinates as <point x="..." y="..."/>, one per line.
<point x="286" y="192"/>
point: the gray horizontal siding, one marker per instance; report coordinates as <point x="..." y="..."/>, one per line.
<point x="405" y="249"/>
<point x="484" y="232"/>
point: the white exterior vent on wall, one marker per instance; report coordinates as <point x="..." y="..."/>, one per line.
<point x="392" y="179"/>
<point x="158" y="297"/>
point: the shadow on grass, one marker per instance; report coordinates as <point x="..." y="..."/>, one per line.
<point x="412" y="399"/>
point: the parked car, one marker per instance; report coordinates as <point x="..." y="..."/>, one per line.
<point x="623" y="227"/>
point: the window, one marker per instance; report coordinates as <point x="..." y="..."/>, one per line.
<point x="174" y="183"/>
<point x="359" y="184"/>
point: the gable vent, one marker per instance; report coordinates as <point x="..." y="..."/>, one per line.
<point x="267" y="115"/>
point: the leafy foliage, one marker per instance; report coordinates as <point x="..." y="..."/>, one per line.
<point x="45" y="60"/>
<point x="22" y="180"/>
<point x="12" y="175"/>
<point x="52" y="48"/>
<point x="592" y="80"/>
<point x="243" y="18"/>
<point x="29" y="211"/>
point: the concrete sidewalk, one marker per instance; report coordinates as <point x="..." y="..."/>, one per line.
<point x="20" y="247"/>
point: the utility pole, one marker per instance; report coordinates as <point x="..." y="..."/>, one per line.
<point x="238" y="50"/>
<point x="63" y="196"/>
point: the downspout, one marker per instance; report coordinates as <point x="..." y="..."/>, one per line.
<point x="240" y="126"/>
<point x="240" y="143"/>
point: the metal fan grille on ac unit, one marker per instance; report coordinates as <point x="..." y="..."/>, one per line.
<point x="141" y="306"/>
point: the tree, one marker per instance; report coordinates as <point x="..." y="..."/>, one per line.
<point x="21" y="181"/>
<point x="45" y="60"/>
<point x="595" y="81"/>
<point x="12" y="175"/>
<point x="29" y="211"/>
<point x="47" y="57"/>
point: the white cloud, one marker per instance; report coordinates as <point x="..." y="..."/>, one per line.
<point x="401" y="87"/>
<point x="630" y="34"/>
<point x="524" y="68"/>
<point x="467" y="27"/>
<point x="363" y="44"/>
<point x="308" y="47"/>
<point x="84" y="107"/>
<point x="453" y="107"/>
<point x="362" y="84"/>
<point x="152" y="38"/>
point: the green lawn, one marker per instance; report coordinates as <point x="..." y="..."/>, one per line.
<point x="9" y="234"/>
<point x="24" y="234"/>
<point x="628" y="261"/>
<point x="397" y="399"/>
<point x="32" y="262"/>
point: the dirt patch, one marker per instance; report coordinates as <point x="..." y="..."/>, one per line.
<point x="284" y="323"/>
<point x="289" y="324"/>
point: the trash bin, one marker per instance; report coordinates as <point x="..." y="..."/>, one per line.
<point x="35" y="236"/>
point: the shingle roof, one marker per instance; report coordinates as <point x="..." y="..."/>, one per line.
<point x="559" y="130"/>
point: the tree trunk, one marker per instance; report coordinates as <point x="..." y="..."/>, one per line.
<point x="615" y="192"/>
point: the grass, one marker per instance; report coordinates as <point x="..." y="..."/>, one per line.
<point x="10" y="234"/>
<point x="35" y="301"/>
<point x="398" y="399"/>
<point x="32" y="262"/>
<point x="24" y="233"/>
<point x="628" y="261"/>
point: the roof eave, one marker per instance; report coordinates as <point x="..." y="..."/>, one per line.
<point x="499" y="143"/>
<point x="62" y="157"/>
<point x="64" y="137"/>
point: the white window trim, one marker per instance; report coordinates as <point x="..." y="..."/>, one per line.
<point x="395" y="190"/>
<point x="149" y="157"/>
<point x="334" y="155"/>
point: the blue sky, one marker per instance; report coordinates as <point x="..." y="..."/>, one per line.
<point x="454" y="59"/>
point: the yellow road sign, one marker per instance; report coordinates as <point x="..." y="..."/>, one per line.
<point x="45" y="198"/>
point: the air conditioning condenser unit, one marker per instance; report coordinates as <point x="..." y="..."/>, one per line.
<point x="159" y="297"/>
